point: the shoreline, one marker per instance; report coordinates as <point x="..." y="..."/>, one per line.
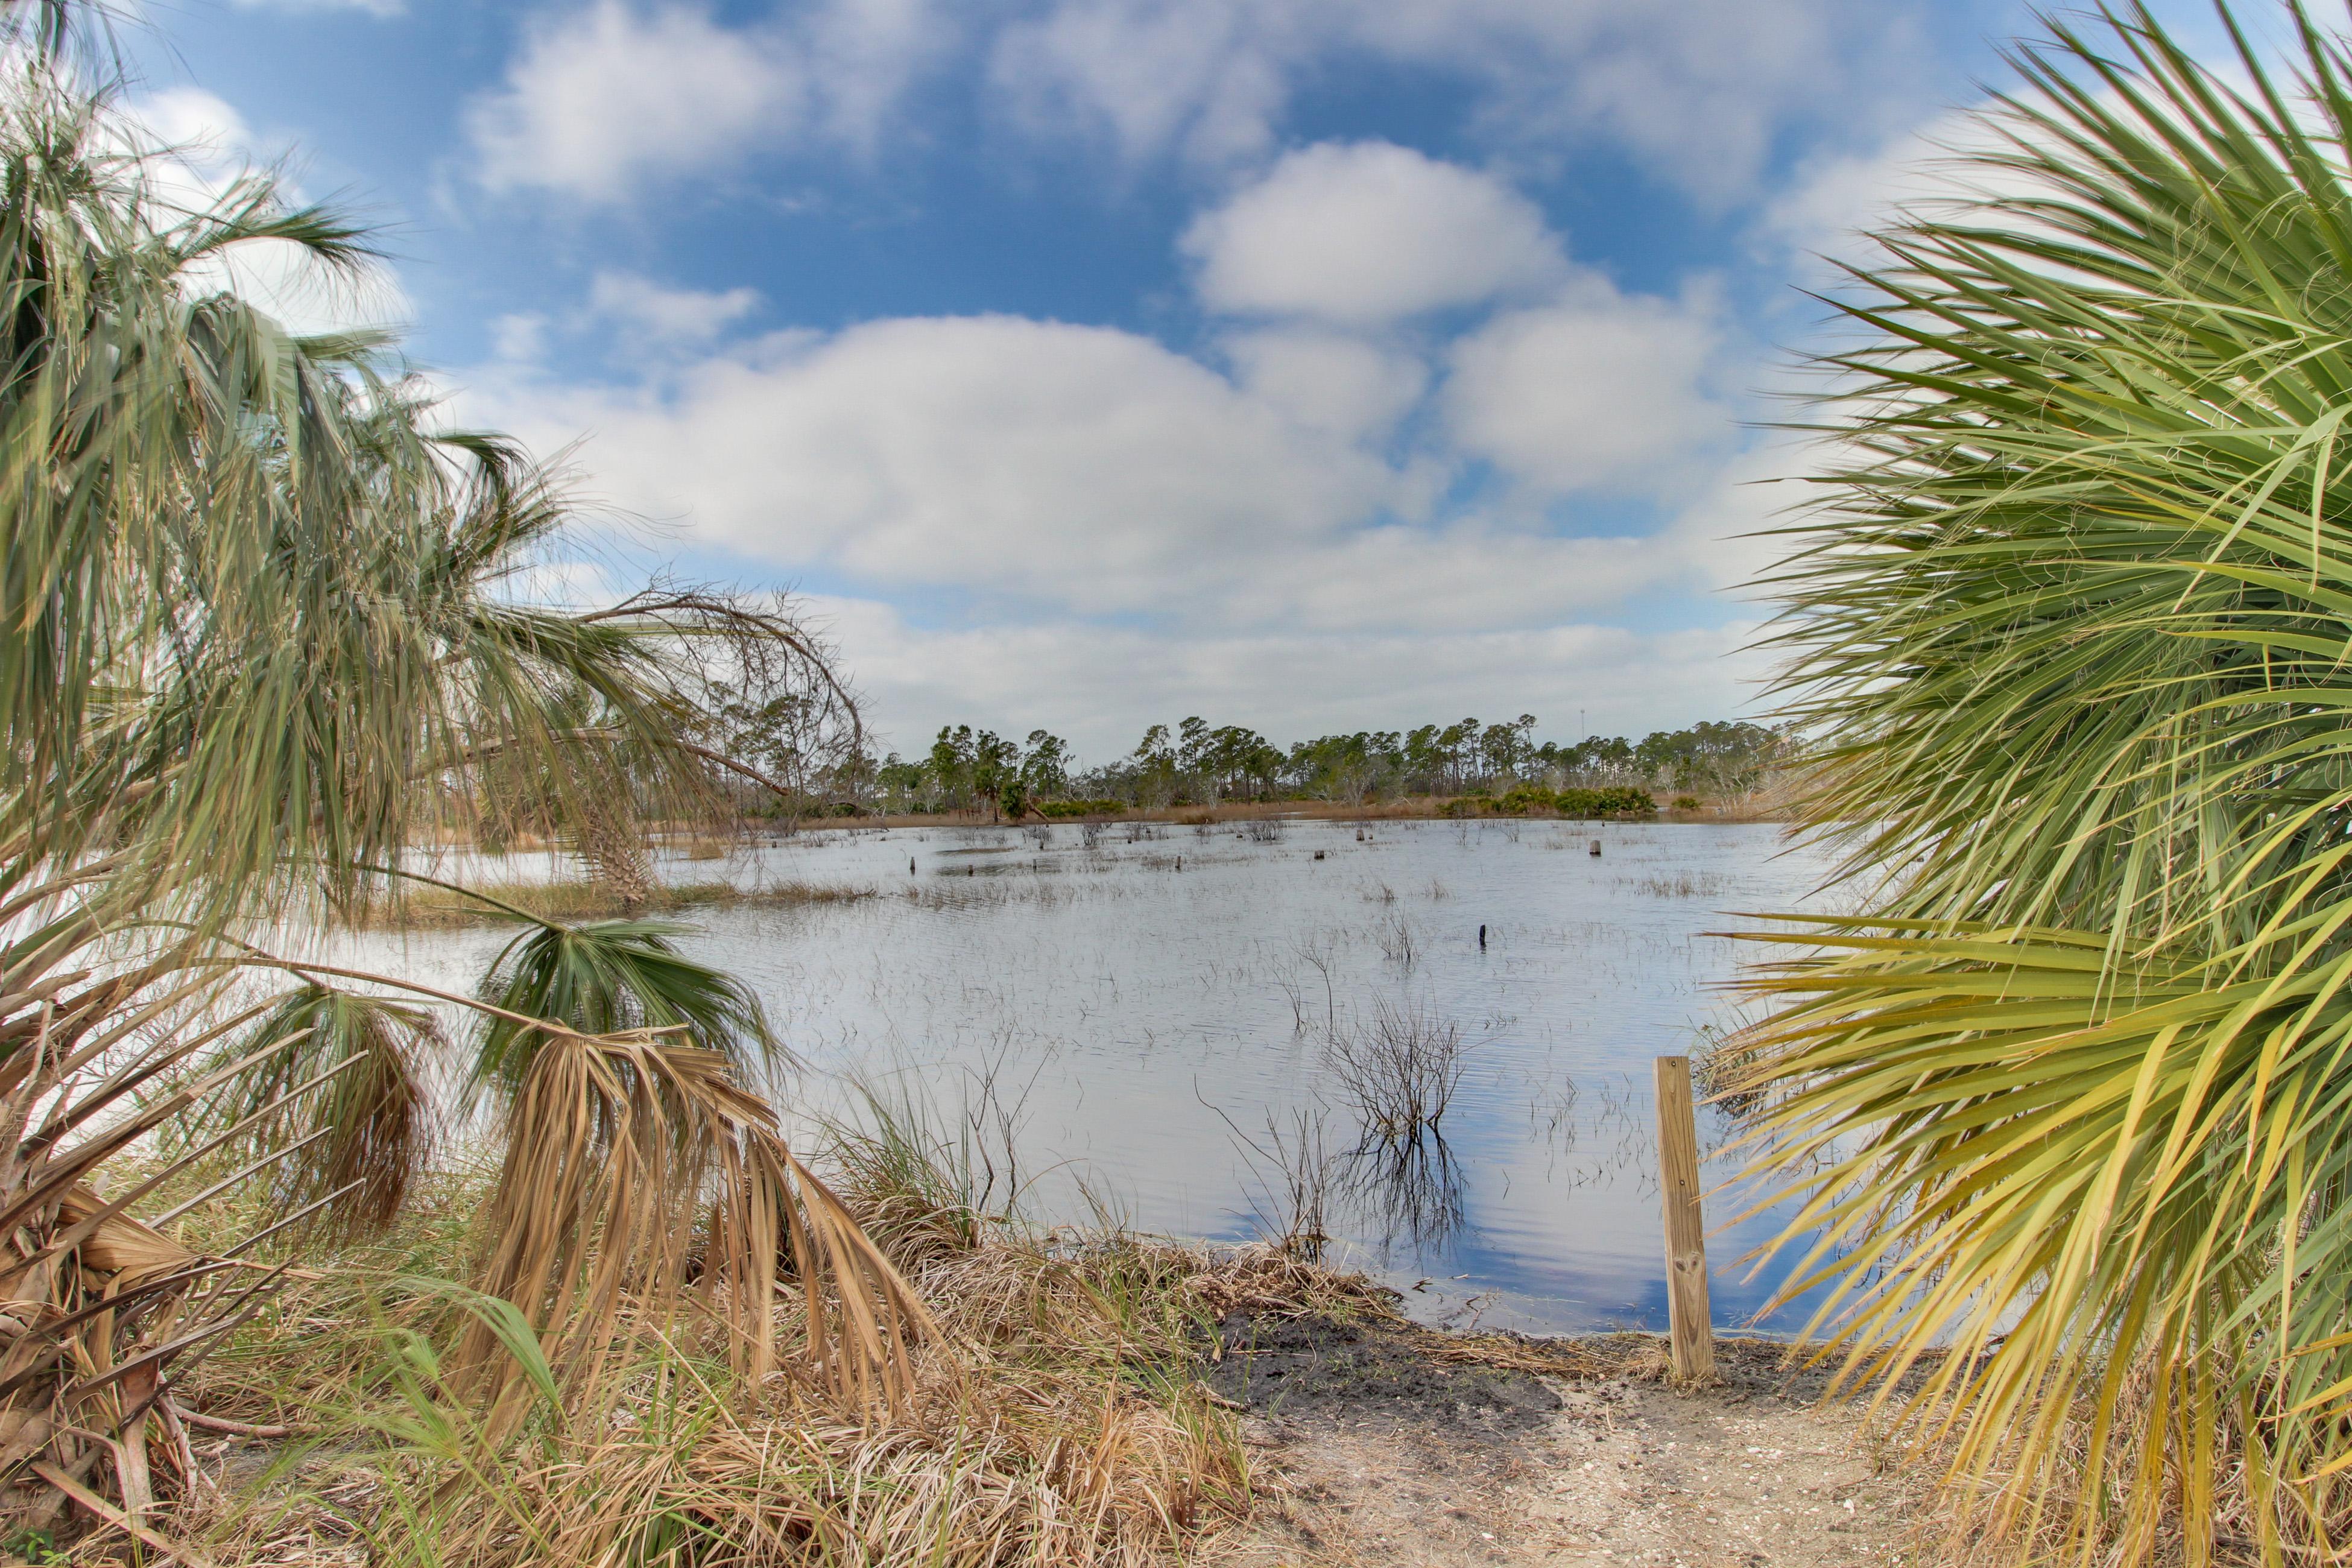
<point x="1413" y="808"/>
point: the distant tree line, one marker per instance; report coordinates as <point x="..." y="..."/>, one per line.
<point x="1196" y="763"/>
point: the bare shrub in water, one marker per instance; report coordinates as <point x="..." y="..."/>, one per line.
<point x="1397" y="940"/>
<point x="1412" y="1186"/>
<point x="1401" y="1070"/>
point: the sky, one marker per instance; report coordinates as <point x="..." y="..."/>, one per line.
<point x="1083" y="365"/>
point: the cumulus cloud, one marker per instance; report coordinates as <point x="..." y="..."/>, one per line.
<point x="598" y="102"/>
<point x="1073" y="464"/>
<point x="208" y="147"/>
<point x="1600" y="390"/>
<point x="653" y="313"/>
<point x="601" y="102"/>
<point x="1697" y="91"/>
<point x="1369" y="232"/>
<point x="1082" y="471"/>
<point x="1329" y="381"/>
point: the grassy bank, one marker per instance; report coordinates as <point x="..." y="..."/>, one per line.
<point x="1088" y="1396"/>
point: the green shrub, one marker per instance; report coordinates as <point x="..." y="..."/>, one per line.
<point x="1062" y="809"/>
<point x="1688" y="803"/>
<point x="1617" y="800"/>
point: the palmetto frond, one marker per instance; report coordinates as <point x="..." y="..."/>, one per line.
<point x="335" y="1104"/>
<point x="612" y="977"/>
<point x="630" y="1157"/>
<point x="2074" y="632"/>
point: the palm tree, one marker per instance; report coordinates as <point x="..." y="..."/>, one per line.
<point x="261" y="630"/>
<point x="2072" y="634"/>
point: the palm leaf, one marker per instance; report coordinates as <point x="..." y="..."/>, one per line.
<point x="2070" y="633"/>
<point x="365" y="1133"/>
<point x="629" y="1154"/>
<point x="610" y="977"/>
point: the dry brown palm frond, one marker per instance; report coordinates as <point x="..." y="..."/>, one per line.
<point x="633" y="1165"/>
<point x="366" y="1128"/>
<point x="96" y="1306"/>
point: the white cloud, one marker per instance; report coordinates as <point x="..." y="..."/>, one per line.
<point x="208" y="146"/>
<point x="1065" y="464"/>
<point x="1837" y="196"/>
<point x="863" y="55"/>
<point x="1329" y="381"/>
<point x="1695" y="90"/>
<point x="600" y="101"/>
<point x="518" y="337"/>
<point x="1367" y="232"/>
<point x="1600" y="390"/>
<point x="604" y="102"/>
<point x="651" y="312"/>
<point x="1083" y="472"/>
<point x="1197" y="76"/>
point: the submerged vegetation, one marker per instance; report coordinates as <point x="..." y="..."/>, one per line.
<point x="2069" y="636"/>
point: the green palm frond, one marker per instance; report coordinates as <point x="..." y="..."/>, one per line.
<point x="340" y="1107"/>
<point x="2072" y="631"/>
<point x="609" y="977"/>
<point x="257" y="626"/>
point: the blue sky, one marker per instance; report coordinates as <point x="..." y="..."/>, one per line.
<point x="1085" y="364"/>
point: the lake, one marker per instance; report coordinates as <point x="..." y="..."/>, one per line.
<point x="1151" y="1006"/>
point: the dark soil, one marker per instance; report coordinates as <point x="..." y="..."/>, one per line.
<point x="1302" y="1368"/>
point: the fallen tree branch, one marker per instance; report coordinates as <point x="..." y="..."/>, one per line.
<point x="234" y="1428"/>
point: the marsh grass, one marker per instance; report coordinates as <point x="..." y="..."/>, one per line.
<point x="1292" y="1170"/>
<point x="571" y="900"/>
<point x="1682" y="884"/>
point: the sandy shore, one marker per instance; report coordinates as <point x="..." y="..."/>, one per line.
<point x="1381" y="1454"/>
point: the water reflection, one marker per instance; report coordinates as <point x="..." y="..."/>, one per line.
<point x="1411" y="1191"/>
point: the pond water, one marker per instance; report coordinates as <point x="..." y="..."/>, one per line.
<point x="1154" y="1008"/>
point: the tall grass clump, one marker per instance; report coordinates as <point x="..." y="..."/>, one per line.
<point x="2071" y="631"/>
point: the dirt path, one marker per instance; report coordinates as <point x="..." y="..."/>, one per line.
<point x="1387" y="1455"/>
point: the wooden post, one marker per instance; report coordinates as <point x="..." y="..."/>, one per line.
<point x="1687" y="1315"/>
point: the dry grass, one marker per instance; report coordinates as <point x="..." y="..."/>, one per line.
<point x="1056" y="1416"/>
